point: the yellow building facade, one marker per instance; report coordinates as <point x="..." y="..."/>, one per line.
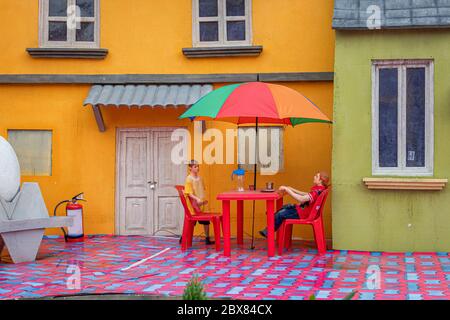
<point x="289" y="42"/>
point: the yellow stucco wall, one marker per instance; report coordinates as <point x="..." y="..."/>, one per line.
<point x="147" y="37"/>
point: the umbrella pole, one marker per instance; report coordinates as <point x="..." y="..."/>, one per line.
<point x="254" y="184"/>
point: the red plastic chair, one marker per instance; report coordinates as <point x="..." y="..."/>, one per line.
<point x="191" y="219"/>
<point x="314" y="218"/>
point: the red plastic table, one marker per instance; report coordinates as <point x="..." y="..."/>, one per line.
<point x="271" y="198"/>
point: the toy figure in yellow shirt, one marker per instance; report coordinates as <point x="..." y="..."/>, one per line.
<point x="195" y="189"/>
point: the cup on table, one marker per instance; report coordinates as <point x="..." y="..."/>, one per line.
<point x="251" y="187"/>
<point x="269" y="186"/>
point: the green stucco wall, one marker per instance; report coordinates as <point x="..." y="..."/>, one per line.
<point x="379" y="220"/>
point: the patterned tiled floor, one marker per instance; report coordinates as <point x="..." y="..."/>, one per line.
<point x="105" y="265"/>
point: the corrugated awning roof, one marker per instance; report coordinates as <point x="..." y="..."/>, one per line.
<point x="146" y="95"/>
<point x="139" y="96"/>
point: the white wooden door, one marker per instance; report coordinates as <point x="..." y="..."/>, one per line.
<point x="134" y="172"/>
<point x="147" y="203"/>
<point x="168" y="212"/>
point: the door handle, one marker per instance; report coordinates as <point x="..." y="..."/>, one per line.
<point x="152" y="184"/>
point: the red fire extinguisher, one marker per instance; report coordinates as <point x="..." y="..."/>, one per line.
<point x="75" y="233"/>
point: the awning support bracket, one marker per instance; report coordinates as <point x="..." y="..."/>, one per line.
<point x="99" y="118"/>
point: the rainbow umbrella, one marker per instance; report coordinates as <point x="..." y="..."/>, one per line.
<point x="256" y="103"/>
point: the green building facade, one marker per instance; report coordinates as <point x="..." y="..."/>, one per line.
<point x="391" y="135"/>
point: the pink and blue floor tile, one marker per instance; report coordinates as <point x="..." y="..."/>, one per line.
<point x="156" y="266"/>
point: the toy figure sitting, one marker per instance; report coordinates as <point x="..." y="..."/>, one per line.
<point x="305" y="199"/>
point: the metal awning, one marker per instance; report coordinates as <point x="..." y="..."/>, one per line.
<point x="141" y="96"/>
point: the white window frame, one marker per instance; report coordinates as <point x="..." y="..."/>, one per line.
<point x="222" y="20"/>
<point x="71" y="33"/>
<point x="402" y="169"/>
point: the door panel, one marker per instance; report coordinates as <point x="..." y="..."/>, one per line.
<point x="135" y="201"/>
<point x="169" y="212"/>
<point x="136" y="159"/>
<point x="168" y="219"/>
<point x="136" y="214"/>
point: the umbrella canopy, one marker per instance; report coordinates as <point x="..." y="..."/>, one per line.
<point x="256" y="102"/>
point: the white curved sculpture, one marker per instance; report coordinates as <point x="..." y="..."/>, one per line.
<point x="9" y="171"/>
<point x="23" y="214"/>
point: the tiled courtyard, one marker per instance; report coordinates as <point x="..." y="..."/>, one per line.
<point x="110" y="264"/>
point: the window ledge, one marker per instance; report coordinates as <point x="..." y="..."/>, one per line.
<point x="207" y="52"/>
<point x="72" y="53"/>
<point x="405" y="184"/>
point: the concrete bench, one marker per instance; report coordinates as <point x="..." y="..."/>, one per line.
<point x="23" y="222"/>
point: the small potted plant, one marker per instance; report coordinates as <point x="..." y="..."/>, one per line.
<point x="194" y="290"/>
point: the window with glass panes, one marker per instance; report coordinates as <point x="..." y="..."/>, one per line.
<point x="69" y="23"/>
<point x="34" y="151"/>
<point x="403" y="131"/>
<point x="221" y="22"/>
